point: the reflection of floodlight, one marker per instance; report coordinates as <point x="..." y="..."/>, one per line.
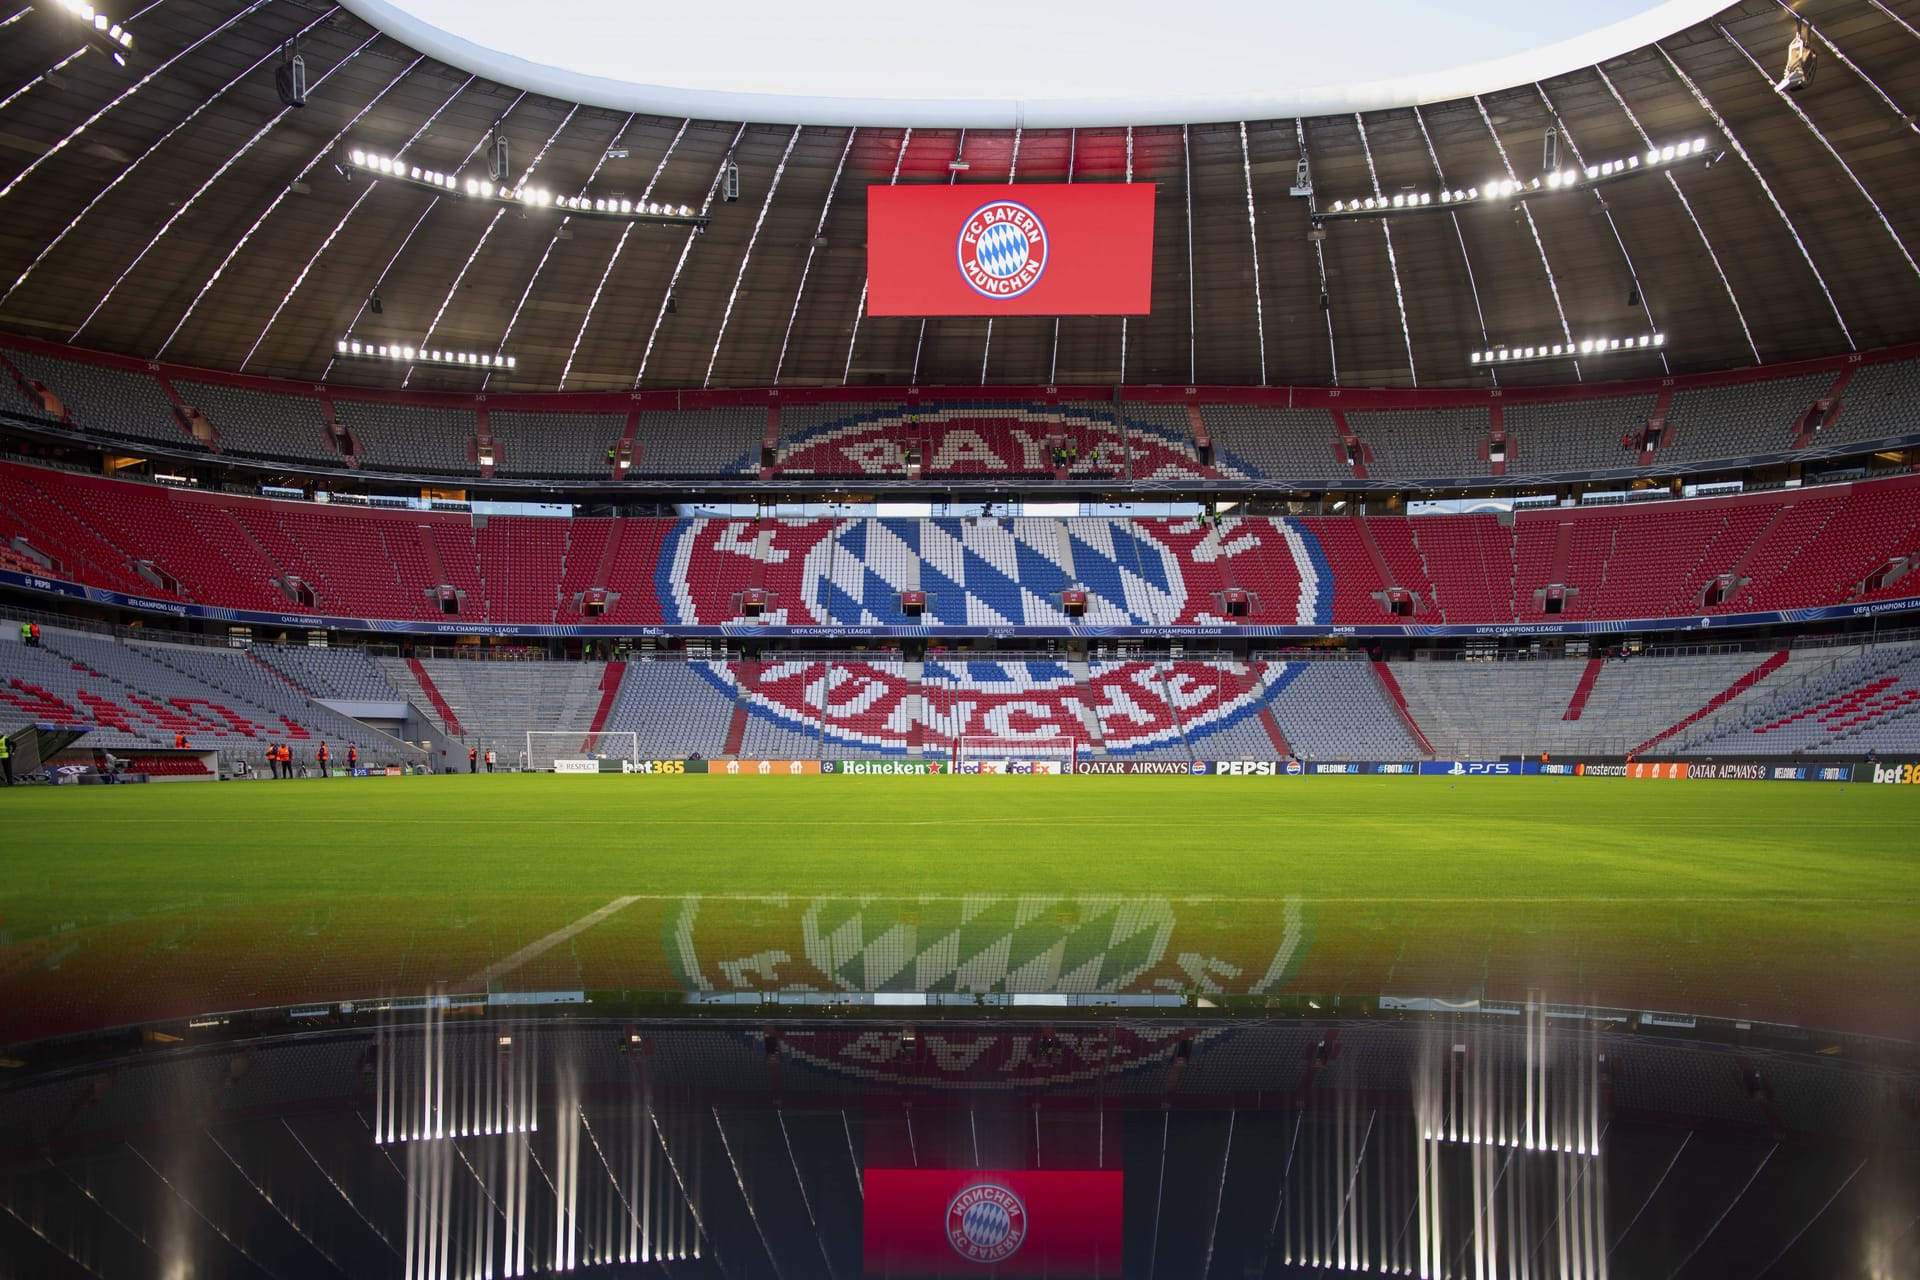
<point x="1800" y="62"/>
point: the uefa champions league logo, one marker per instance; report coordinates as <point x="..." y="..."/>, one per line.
<point x="1002" y="249"/>
<point x="986" y="1223"/>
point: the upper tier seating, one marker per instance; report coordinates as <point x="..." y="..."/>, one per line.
<point x="107" y="401"/>
<point x="1787" y="549"/>
<point x="1413" y="434"/>
<point x="986" y="438"/>
<point x="411" y="438"/>
<point x="1443" y="442"/>
<point x="540" y="445"/>
<point x="1880" y="402"/>
<point x="1574" y="435"/>
<point x="259" y="424"/>
<point x="1747" y="418"/>
<point x="1276" y="442"/>
<point x="698" y="442"/>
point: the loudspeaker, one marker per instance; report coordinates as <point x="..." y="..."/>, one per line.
<point x="290" y="81"/>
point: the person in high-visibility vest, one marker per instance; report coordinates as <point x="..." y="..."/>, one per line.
<point x="26" y="634"/>
<point x="323" y="757"/>
<point x="473" y="759"/>
<point x="489" y="760"/>
<point x="180" y="740"/>
<point x="6" y="757"/>
<point x="273" y="759"/>
<point x="353" y="756"/>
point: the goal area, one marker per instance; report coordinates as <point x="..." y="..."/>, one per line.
<point x="977" y="753"/>
<point x="545" y="747"/>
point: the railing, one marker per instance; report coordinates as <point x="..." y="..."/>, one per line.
<point x="1308" y="655"/>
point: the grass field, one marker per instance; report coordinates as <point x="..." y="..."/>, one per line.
<point x="1797" y="903"/>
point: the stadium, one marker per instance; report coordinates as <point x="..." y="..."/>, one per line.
<point x="1078" y="642"/>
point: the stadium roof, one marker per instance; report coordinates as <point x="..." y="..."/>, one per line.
<point x="198" y="220"/>
<point x="1062" y="64"/>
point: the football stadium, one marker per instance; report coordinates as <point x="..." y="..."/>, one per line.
<point x="1220" y="642"/>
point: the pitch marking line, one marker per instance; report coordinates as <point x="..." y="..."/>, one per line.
<point x="533" y="950"/>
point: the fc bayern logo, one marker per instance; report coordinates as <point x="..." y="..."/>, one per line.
<point x="986" y="1223"/>
<point x="1002" y="249"/>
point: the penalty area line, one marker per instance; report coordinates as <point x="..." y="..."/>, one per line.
<point x="533" y="950"/>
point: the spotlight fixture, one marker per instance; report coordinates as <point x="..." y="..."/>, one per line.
<point x="102" y="32"/>
<point x="1569" y="350"/>
<point x="1508" y="189"/>
<point x="384" y="166"/>
<point x="373" y="304"/>
<point x="730" y="181"/>
<point x="355" y="347"/>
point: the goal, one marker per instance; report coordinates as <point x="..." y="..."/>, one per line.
<point x="987" y="754"/>
<point x="545" y="746"/>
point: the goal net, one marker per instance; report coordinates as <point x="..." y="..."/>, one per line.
<point x="984" y="754"/>
<point x="546" y="746"/>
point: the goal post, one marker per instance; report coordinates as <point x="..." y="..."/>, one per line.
<point x="984" y="753"/>
<point x="544" y="746"/>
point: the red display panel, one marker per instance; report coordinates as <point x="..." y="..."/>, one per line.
<point x="1042" y="250"/>
<point x="992" y="1222"/>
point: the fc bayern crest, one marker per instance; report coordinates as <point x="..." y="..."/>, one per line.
<point x="1003" y="249"/>
<point x="986" y="1223"/>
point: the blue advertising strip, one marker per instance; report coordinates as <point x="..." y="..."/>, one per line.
<point x="1479" y="768"/>
<point x="422" y="627"/>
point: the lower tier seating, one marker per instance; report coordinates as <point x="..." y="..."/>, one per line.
<point x="136" y="696"/>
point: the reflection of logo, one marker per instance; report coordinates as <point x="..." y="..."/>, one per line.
<point x="1002" y="249"/>
<point x="986" y="1223"/>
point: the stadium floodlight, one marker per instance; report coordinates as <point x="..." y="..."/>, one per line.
<point x="1553" y="180"/>
<point x="1597" y="346"/>
<point x="523" y="196"/>
<point x="102" y="33"/>
<point x="429" y="355"/>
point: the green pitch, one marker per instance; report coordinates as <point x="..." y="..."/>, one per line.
<point x="1792" y="902"/>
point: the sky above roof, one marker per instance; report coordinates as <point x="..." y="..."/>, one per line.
<point x="1046" y="62"/>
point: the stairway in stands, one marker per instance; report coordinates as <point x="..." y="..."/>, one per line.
<point x="405" y="675"/>
<point x="749" y="676"/>
<point x="1584" y="690"/>
<point x="1082" y="680"/>
<point x="1399" y="700"/>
